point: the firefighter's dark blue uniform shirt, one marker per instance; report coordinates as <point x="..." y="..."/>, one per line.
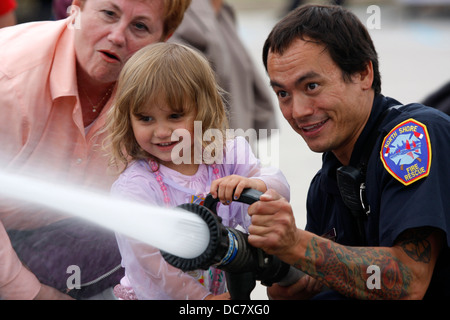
<point x="407" y="184"/>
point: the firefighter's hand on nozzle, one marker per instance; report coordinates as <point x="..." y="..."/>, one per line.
<point x="273" y="226"/>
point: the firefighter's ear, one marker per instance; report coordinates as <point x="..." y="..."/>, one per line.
<point x="365" y="77"/>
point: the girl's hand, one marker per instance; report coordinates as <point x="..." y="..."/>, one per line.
<point x="230" y="188"/>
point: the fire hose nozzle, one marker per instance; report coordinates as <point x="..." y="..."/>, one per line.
<point x="230" y="251"/>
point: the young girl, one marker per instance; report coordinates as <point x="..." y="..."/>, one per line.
<point x="167" y="128"/>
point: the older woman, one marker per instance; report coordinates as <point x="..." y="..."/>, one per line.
<point x="57" y="81"/>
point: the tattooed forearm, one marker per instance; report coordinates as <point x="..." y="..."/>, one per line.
<point x="416" y="245"/>
<point x="344" y="269"/>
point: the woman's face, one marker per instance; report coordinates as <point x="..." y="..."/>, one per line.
<point x="109" y="32"/>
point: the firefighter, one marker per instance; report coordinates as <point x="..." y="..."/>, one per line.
<point x="380" y="196"/>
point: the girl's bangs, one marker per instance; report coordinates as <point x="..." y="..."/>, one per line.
<point x="164" y="94"/>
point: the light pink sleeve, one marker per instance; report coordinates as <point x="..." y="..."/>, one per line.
<point x="152" y="278"/>
<point x="16" y="282"/>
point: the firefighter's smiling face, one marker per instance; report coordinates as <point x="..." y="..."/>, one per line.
<point x="328" y="111"/>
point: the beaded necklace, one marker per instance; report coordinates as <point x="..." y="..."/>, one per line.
<point x="216" y="276"/>
<point x="155" y="168"/>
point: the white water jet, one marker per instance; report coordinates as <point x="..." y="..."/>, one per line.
<point x="175" y="231"/>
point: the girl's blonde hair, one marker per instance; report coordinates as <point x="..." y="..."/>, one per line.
<point x="164" y="74"/>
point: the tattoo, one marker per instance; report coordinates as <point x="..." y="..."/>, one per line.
<point x="416" y="245"/>
<point x="344" y="269"/>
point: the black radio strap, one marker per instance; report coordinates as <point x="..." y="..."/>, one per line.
<point x="352" y="181"/>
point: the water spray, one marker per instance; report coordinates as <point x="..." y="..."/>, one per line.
<point x="176" y="231"/>
<point x="229" y="250"/>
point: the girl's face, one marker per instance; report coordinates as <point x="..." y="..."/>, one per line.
<point x="167" y="135"/>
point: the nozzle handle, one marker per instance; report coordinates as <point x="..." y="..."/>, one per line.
<point x="248" y="196"/>
<point x="291" y="277"/>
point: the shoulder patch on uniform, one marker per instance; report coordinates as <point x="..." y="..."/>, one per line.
<point x="406" y="152"/>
